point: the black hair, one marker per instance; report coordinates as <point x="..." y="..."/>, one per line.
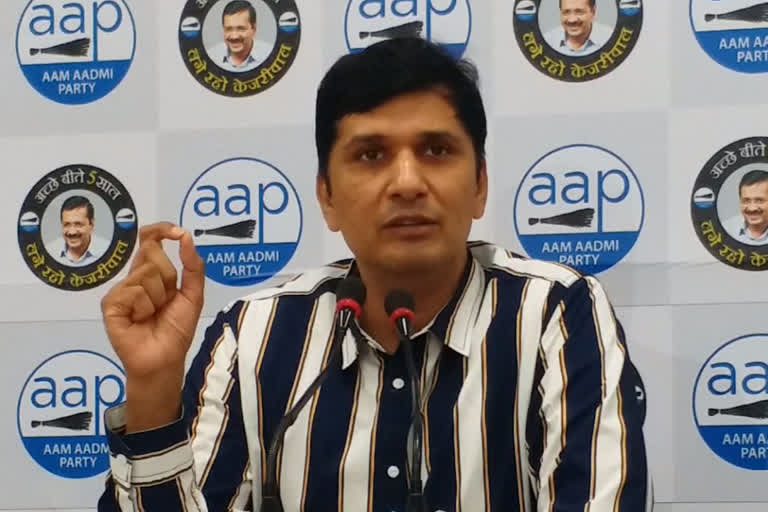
<point x="591" y="3"/>
<point x="73" y="202"/>
<point x="236" y="6"/>
<point x="753" y="177"/>
<point x="360" y="82"/>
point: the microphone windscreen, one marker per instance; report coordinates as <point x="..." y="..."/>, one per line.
<point x="351" y="288"/>
<point x="398" y="299"/>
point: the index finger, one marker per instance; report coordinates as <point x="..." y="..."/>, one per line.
<point x="160" y="231"/>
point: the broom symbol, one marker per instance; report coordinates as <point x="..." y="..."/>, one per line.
<point x="410" y="29"/>
<point x="577" y="219"/>
<point x="242" y="229"/>
<point x="76" y="48"/>
<point x="754" y="410"/>
<point x="755" y="13"/>
<point x="79" y="421"/>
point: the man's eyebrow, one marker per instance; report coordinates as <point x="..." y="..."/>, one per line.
<point x="377" y="138"/>
<point x="440" y="135"/>
<point x="365" y="138"/>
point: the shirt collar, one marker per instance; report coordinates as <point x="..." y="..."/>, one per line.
<point x="588" y="44"/>
<point x="743" y="232"/>
<point x="451" y="326"/>
<point x="85" y="255"/>
<point x="249" y="60"/>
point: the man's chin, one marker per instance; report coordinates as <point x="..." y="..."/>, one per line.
<point x="414" y="261"/>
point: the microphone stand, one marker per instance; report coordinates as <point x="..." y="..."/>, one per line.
<point x="415" y="502"/>
<point x="271" y="501"/>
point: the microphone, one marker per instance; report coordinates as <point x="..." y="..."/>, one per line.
<point x="399" y="307"/>
<point x="350" y="295"/>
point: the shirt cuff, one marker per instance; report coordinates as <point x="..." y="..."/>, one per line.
<point x="144" y="458"/>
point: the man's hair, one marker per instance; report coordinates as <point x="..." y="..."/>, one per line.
<point x="753" y="177"/>
<point x="591" y="3"/>
<point x="74" y="202"/>
<point x="236" y="6"/>
<point x="360" y="82"/>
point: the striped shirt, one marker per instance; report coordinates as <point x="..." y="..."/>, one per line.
<point x="531" y="404"/>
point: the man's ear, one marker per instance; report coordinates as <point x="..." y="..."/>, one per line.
<point x="324" y="199"/>
<point x="481" y="194"/>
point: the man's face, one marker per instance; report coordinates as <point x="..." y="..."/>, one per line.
<point x="238" y="32"/>
<point x="754" y="204"/>
<point x="403" y="184"/>
<point x="576" y="16"/>
<point x="76" y="227"/>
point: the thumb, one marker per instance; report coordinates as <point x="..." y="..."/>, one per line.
<point x="193" y="272"/>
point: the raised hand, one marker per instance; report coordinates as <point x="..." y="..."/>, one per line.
<point x="151" y="324"/>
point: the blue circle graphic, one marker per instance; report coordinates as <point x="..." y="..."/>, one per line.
<point x="262" y="260"/>
<point x="70" y="80"/>
<point x="455" y="49"/>
<point x="742" y="435"/>
<point x="90" y="450"/>
<point x="743" y="49"/>
<point x="600" y="250"/>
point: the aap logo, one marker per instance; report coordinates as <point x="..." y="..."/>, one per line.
<point x="733" y="33"/>
<point x="579" y="205"/>
<point x="730" y="402"/>
<point x="60" y="412"/>
<point x="75" y="52"/>
<point x="246" y="219"/>
<point x="446" y="22"/>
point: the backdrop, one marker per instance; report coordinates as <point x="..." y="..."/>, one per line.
<point x="623" y="158"/>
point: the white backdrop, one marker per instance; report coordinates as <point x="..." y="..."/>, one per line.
<point x="603" y="149"/>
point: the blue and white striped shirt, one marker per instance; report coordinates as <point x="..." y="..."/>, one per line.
<point x="531" y="404"/>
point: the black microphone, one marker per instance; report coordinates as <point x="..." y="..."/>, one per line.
<point x="350" y="295"/>
<point x="399" y="306"/>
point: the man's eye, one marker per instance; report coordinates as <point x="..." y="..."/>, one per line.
<point x="371" y="155"/>
<point x="437" y="150"/>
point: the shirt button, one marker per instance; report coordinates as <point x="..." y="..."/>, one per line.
<point x="393" y="471"/>
<point x="398" y="383"/>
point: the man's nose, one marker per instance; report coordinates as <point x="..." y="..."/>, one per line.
<point x="408" y="181"/>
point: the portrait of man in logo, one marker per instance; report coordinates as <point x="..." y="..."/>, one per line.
<point x="239" y="35"/>
<point x="239" y="48"/>
<point x="743" y="206"/>
<point x="729" y="204"/>
<point x="77" y="227"/>
<point x="82" y="233"/>
<point x="577" y="40"/>
<point x="581" y="28"/>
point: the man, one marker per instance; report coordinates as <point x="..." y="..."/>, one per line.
<point x="78" y="246"/>
<point x="580" y="34"/>
<point x="528" y="392"/>
<point x="240" y="51"/>
<point x="751" y="226"/>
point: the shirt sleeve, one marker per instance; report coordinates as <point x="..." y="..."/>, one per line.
<point x="588" y="409"/>
<point x="198" y="463"/>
